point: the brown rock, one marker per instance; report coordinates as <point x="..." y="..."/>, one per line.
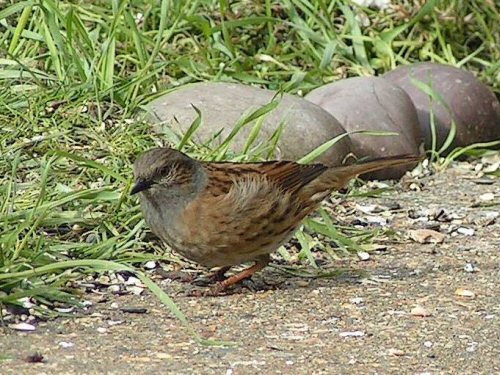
<point x="469" y="102"/>
<point x="307" y="126"/>
<point x="371" y="103"/>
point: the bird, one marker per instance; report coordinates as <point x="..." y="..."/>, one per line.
<point x="223" y="214"/>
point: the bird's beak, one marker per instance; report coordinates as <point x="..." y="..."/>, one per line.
<point x="140" y="185"/>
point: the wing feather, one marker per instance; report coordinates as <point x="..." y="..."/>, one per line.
<point x="287" y="175"/>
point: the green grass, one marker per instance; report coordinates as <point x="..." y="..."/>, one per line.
<point x="74" y="75"/>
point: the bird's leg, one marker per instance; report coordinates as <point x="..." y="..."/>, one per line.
<point x="260" y="263"/>
<point x="215" y="277"/>
<point x="216" y="290"/>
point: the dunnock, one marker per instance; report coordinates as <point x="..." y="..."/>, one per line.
<point x="223" y="214"/>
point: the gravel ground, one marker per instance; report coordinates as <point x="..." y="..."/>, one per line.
<point x="428" y="308"/>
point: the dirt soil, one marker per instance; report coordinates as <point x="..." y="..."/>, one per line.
<point x="430" y="308"/>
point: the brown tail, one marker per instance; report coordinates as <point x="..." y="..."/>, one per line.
<point x="338" y="177"/>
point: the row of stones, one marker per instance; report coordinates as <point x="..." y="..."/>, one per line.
<point x="402" y="101"/>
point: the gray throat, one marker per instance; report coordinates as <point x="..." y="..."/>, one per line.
<point x="162" y="205"/>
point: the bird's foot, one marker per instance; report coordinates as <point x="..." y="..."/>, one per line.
<point x="215" y="277"/>
<point x="221" y="287"/>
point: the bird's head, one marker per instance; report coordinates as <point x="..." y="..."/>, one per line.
<point x="162" y="168"/>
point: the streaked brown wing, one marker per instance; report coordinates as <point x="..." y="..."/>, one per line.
<point x="288" y="175"/>
<point x="291" y="176"/>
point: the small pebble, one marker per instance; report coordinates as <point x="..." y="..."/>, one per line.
<point x="396" y="352"/>
<point x="486" y="218"/>
<point x="92" y="238"/>
<point x="415" y="187"/>
<point x="352" y="334"/>
<point x="102" y="330"/>
<point x="426" y="236"/>
<point x="486" y="197"/>
<point x="303" y="283"/>
<point x="376" y="220"/>
<point x="466" y="231"/>
<point x="26" y="303"/>
<point x="133" y="281"/>
<point x="64" y="309"/>
<point x="114" y="305"/>
<point x="357" y="300"/>
<point x="65" y="344"/>
<point x="114" y="288"/>
<point x="420" y="311"/>
<point x="464" y="293"/>
<point x="137" y="290"/>
<point x="104" y="280"/>
<point x="428" y="344"/>
<point x="134" y="310"/>
<point x="469" y="267"/>
<point x="363" y="255"/>
<point x="368" y="209"/>
<point x="472" y="346"/>
<point x="484" y="181"/>
<point x="150" y="265"/>
<point x="114" y="322"/>
<point x="22" y="327"/>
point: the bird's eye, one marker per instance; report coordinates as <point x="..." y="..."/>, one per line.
<point x="166" y="175"/>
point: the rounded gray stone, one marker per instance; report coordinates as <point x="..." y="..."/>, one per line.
<point x="222" y="104"/>
<point x="371" y="103"/>
<point x="469" y="102"/>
